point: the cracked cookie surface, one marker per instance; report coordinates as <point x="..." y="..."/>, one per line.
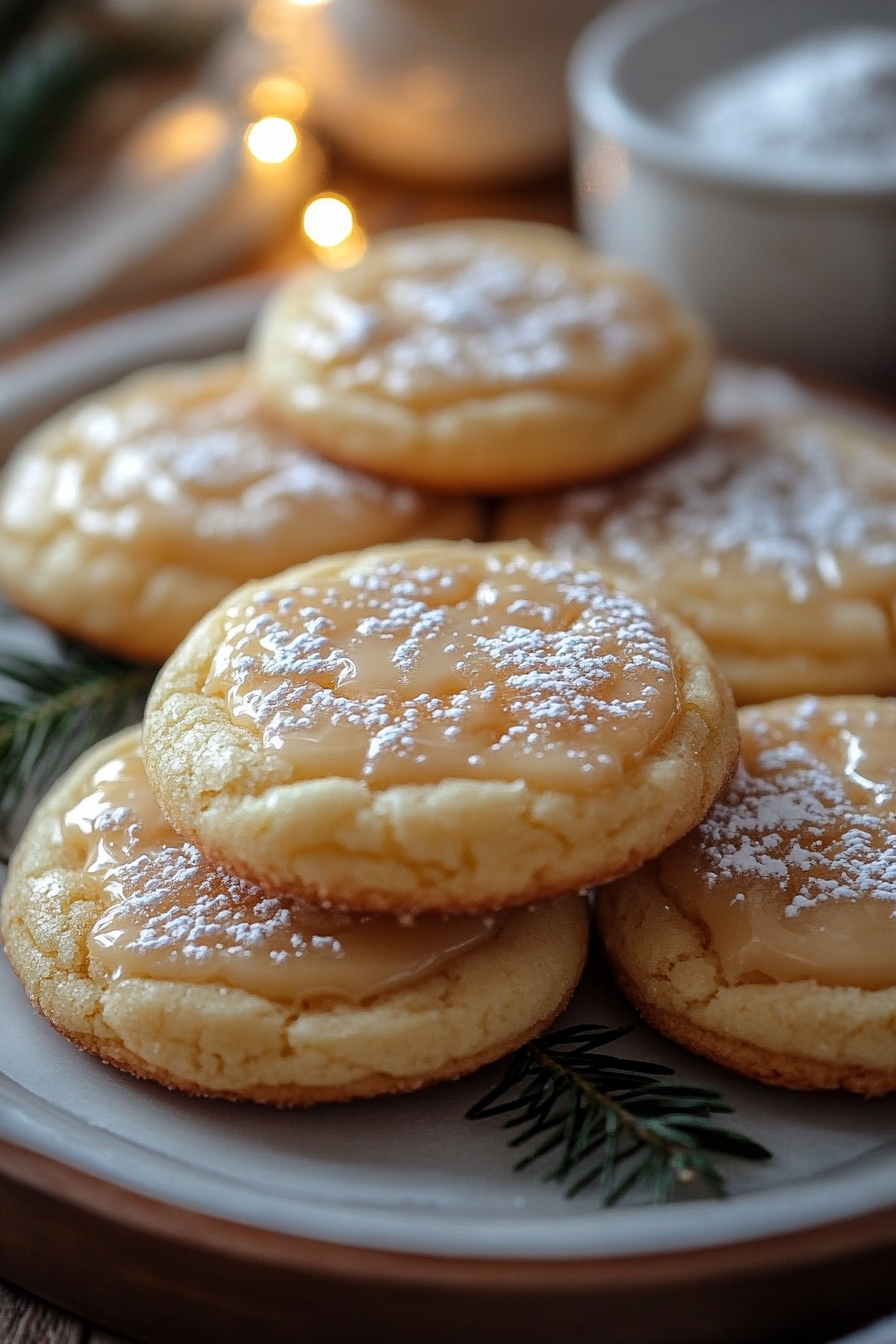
<point x="775" y="540"/>
<point x="437" y="726"/>
<point x="139" y="950"/>
<point x="766" y="938"/>
<point x="482" y="355"/>
<point x="128" y="516"/>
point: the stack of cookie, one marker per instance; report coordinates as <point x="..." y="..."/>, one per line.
<point x="345" y="859"/>
<point x="374" y="785"/>
<point x="375" y="404"/>
<point x="344" y="855"/>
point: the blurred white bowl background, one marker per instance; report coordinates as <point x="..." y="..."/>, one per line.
<point x="788" y="262"/>
<point x="463" y="91"/>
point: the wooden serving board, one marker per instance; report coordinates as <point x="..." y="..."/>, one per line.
<point x="169" y="1276"/>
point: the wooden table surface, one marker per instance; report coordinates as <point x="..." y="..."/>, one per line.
<point x="26" y="1320"/>
<point x="379" y="204"/>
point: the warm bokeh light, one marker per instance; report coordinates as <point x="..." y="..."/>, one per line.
<point x="278" y="96"/>
<point x="335" y="236"/>
<point x="177" y="138"/>
<point x="328" y="220"/>
<point x="272" y="139"/>
<point x="278" y="21"/>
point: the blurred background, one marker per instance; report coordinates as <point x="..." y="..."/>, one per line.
<point x="742" y="151"/>
<point x="148" y="147"/>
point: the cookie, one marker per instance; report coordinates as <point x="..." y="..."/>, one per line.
<point x="437" y="726"/>
<point x="775" y="540"/>
<point x="766" y="938"/>
<point x="140" y="950"/>
<point x="487" y="355"/>
<point x="128" y="516"/>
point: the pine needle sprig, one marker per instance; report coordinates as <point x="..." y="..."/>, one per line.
<point x="613" y="1123"/>
<point x="49" y="70"/>
<point x="51" y="711"/>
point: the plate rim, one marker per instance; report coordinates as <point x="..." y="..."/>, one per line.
<point x="286" y="1250"/>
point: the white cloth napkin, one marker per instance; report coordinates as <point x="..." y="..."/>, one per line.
<point x="182" y="201"/>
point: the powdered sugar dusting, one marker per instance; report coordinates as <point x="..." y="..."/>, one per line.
<point x="793" y="871"/>
<point x="183" y="464"/>
<point x="476" y="667"/>
<point x="804" y="501"/>
<point x="794" y="825"/>
<point x="812" y="808"/>
<point x="173" y="915"/>
<point x="460" y="310"/>
<point x="190" y="908"/>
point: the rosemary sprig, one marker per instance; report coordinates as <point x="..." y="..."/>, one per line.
<point x="51" y="711"/>
<point x="570" y="1098"/>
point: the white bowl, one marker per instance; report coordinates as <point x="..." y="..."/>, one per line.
<point x="445" y="91"/>
<point x="797" y="266"/>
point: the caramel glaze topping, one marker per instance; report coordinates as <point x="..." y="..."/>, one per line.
<point x="429" y="318"/>
<point x="793" y="872"/>
<point x="172" y="915"/>
<point x="780" y="516"/>
<point x="486" y="665"/>
<point x="180" y="466"/>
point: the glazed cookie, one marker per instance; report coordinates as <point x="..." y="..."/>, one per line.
<point x="437" y="726"/>
<point x="138" y="949"/>
<point x="776" y="540"/>
<point x="766" y="938"/>
<point x="128" y="516"/>
<point x="490" y="356"/>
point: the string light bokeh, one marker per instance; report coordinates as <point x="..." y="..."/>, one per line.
<point x="332" y="231"/>
<point x="276" y="101"/>
<point x="272" y="140"/>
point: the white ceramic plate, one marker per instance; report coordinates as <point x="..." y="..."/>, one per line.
<point x="407" y="1174"/>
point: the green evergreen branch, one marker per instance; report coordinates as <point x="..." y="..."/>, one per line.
<point x="50" y="712"/>
<point x="43" y="84"/>
<point x="570" y="1098"/>
<point x="46" y="78"/>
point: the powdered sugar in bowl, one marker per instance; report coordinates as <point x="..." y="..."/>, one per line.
<point x="745" y="154"/>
